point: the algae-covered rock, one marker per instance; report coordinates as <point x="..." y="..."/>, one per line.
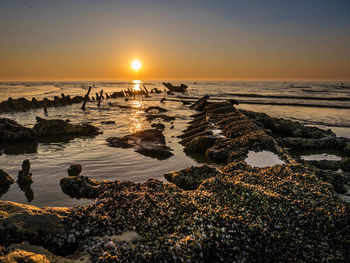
<point x="57" y="127"/>
<point x="11" y="131"/>
<point x="19" y="222"/>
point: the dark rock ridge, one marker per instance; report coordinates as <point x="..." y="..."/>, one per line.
<point x="242" y="214"/>
<point x="149" y="142"/>
<point x="296" y="136"/>
<point x="11" y="131"/>
<point x="23" y="104"/>
<point x="223" y="133"/>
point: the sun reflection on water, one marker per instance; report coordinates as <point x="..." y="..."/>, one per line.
<point x="137" y="118"/>
<point x="136" y="85"/>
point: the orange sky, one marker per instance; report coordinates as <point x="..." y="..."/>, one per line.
<point x="90" y="41"/>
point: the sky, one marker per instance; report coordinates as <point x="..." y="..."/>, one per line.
<point x="182" y="39"/>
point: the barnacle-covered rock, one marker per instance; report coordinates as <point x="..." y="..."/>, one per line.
<point x="274" y="214"/>
<point x="190" y="178"/>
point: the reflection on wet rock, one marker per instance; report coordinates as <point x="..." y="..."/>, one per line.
<point x="149" y="142"/>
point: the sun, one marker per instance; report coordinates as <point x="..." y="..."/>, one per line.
<point x="136" y="64"/>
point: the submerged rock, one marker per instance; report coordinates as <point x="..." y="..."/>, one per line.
<point x="155" y="108"/>
<point x="5" y="179"/>
<point x="149" y="142"/>
<point x="160" y="116"/>
<point x="57" y="127"/>
<point x="159" y="126"/>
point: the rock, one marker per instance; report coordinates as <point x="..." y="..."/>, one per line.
<point x="149" y="142"/>
<point x="5" y="179"/>
<point x="11" y="131"/>
<point x="200" y="104"/>
<point x="159" y="126"/>
<point x="24" y="257"/>
<point x="224" y="134"/>
<point x="160" y="116"/>
<point x="56" y="127"/>
<point x="80" y="187"/>
<point x="155" y="108"/>
<point x="171" y="87"/>
<point x="107" y="122"/>
<point x="118" y="94"/>
<point x="24" y="176"/>
<point x="19" y="222"/>
<point x="345" y="164"/>
<point x="236" y="216"/>
<point x="190" y="178"/>
<point x="199" y="144"/>
<point x="74" y="169"/>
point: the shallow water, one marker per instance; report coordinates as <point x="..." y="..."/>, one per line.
<point x="262" y="159"/>
<point x="49" y="161"/>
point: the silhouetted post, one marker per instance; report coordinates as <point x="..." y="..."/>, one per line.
<point x="99" y="98"/>
<point x="86" y="98"/>
<point x="144" y="87"/>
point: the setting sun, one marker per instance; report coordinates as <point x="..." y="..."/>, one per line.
<point x="136" y="64"/>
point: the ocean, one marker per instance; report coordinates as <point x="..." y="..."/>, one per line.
<point x="322" y="104"/>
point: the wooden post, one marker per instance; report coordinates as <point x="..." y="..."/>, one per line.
<point x="99" y="98"/>
<point x="86" y="98"/>
<point x="144" y="87"/>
